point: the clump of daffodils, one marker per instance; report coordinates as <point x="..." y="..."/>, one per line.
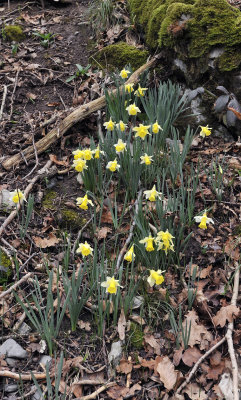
<point x="124" y="73"/>
<point x="204" y="220"/>
<point x="113" y="165"/>
<point x="155" y="277"/>
<point x="17" y="196"/>
<point x="110" y="284"/>
<point x="141" y="131"/>
<point x="130" y="255"/>
<point x="146" y="159"/>
<point x="205" y="131"/>
<point x="83" y="202"/>
<point x="85" y="249"/>
<point x="152" y="194"/>
<point x="133" y="109"/>
<point x="164" y="241"/>
<point x="148" y="242"/>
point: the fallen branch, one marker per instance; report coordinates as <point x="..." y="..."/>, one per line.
<point x="77" y="115"/>
<point x="97" y="392"/>
<point x="5" y="89"/>
<point x="13" y="287"/>
<point x="42" y="172"/>
<point x="23" y="377"/>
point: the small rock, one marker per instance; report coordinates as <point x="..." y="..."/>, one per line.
<point x="24" y="329"/>
<point x="115" y="354"/>
<point x="44" y="360"/>
<point x="10" y="388"/>
<point x="12" y="349"/>
<point x="137" y="302"/>
<point x="12" y="362"/>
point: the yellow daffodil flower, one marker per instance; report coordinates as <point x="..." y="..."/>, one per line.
<point x="141" y="131"/>
<point x="140" y="92"/>
<point x="155" y="277"/>
<point x="109" y="125"/>
<point x="97" y="152"/>
<point x="129" y="256"/>
<point x="133" y="109"/>
<point x="111" y="285"/>
<point x="17" y="196"/>
<point x="164" y="241"/>
<point x="124" y="73"/>
<point x="78" y="154"/>
<point x="152" y="194"/>
<point x="87" y="154"/>
<point x="205" y="131"/>
<point x="204" y="220"/>
<point x="146" y="159"/>
<point x="120" y="146"/>
<point x="80" y="165"/>
<point x="121" y="126"/>
<point x="113" y="165"/>
<point x="148" y="242"/>
<point x="83" y="202"/>
<point x="85" y="249"/>
<point x="129" y="87"/>
<point x="155" y="127"/>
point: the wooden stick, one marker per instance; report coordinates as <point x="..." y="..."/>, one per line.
<point x="77" y="115"/>
<point x="3" y="294"/>
<point x="23" y="377"/>
<point x="98" y="391"/>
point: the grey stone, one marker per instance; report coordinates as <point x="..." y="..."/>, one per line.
<point x="12" y="349"/>
<point x="24" y="329"/>
<point x="115" y="354"/>
<point x="45" y="359"/>
<point x="10" y="388"/>
<point x="137" y="302"/>
<point x="12" y="362"/>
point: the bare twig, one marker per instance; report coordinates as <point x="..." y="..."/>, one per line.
<point x="36" y="158"/>
<point x="23" y="377"/>
<point x="13" y="287"/>
<point x="5" y="89"/>
<point x="12" y="100"/>
<point x="97" y="392"/>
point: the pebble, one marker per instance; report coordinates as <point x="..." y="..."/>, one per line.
<point x="24" y="329"/>
<point x="115" y="354"/>
<point x="45" y="359"/>
<point x="12" y="349"/>
<point x="10" y="388"/>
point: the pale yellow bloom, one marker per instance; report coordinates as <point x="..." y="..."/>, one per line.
<point x="113" y="165"/>
<point x="164" y="241"/>
<point x="87" y="154"/>
<point x="121" y="126"/>
<point x="109" y="125"/>
<point x="120" y="146"/>
<point x="17" y="196"/>
<point x="85" y="249"/>
<point x="124" y="73"/>
<point x="205" y="131"/>
<point x="97" y="152"/>
<point x="78" y="154"/>
<point x="146" y="159"/>
<point x="133" y="109"/>
<point x="155" y="277"/>
<point x="83" y="202"/>
<point x="80" y="164"/>
<point x="140" y="92"/>
<point x="129" y="256"/>
<point x="155" y="127"/>
<point x="111" y="285"/>
<point x="141" y="131"/>
<point x="148" y="242"/>
<point x="204" y="220"/>
<point x="152" y="194"/>
<point x="129" y="87"/>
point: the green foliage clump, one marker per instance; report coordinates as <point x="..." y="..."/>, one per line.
<point x="120" y="54"/>
<point x="6" y="268"/>
<point x="13" y="33"/>
<point x="70" y="219"/>
<point x="192" y="27"/>
<point x="136" y="336"/>
<point x="49" y="200"/>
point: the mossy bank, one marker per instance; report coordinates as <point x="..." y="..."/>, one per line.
<point x="193" y="29"/>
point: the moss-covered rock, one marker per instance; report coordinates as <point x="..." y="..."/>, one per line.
<point x="13" y="33"/>
<point x="136" y="336"/>
<point x="5" y="267"/>
<point x="49" y="200"/>
<point x="70" y="219"/>
<point x="192" y="28"/>
<point x="120" y="54"/>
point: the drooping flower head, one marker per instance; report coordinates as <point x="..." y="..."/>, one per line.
<point x="120" y="146"/>
<point x="152" y="194"/>
<point x="204" y="220"/>
<point x="121" y="126"/>
<point x="141" y="131"/>
<point x="84" y="249"/>
<point x="110" y="284"/>
<point x="109" y="125"/>
<point x="80" y="164"/>
<point x="164" y="241"/>
<point x="129" y="256"/>
<point x="133" y="109"/>
<point x="83" y="202"/>
<point x="155" y="277"/>
<point x="140" y="92"/>
<point x="129" y="87"/>
<point x="113" y="165"/>
<point x="156" y="127"/>
<point x="148" y="242"/>
<point x="124" y="73"/>
<point x="205" y="131"/>
<point x="17" y="196"/>
<point x="146" y="159"/>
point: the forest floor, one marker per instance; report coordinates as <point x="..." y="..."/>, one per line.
<point x="161" y="332"/>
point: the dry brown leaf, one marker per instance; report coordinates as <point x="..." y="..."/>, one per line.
<point x="84" y="325"/>
<point x="102" y="232"/>
<point x="52" y="240"/>
<point x="205" y="272"/>
<point x="125" y="366"/>
<point x="147" y="363"/>
<point x="106" y="216"/>
<point x="195" y="392"/>
<point x="58" y="162"/>
<point x="231" y="248"/>
<point x="215" y="371"/>
<point x="238" y="114"/>
<point x="225" y="313"/>
<point x="121" y="325"/>
<point x="138" y="319"/>
<point x="177" y="356"/>
<point x="149" y="339"/>
<point x="191" y="356"/>
<point x="166" y="371"/>
<point x="234" y="163"/>
<point x="199" y="334"/>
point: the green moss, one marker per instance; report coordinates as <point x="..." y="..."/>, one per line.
<point x="210" y="23"/>
<point x="49" y="200"/>
<point x="14" y="33"/>
<point x="120" y="54"/>
<point x="5" y="267"/>
<point x="70" y="219"/>
<point x="136" y="336"/>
